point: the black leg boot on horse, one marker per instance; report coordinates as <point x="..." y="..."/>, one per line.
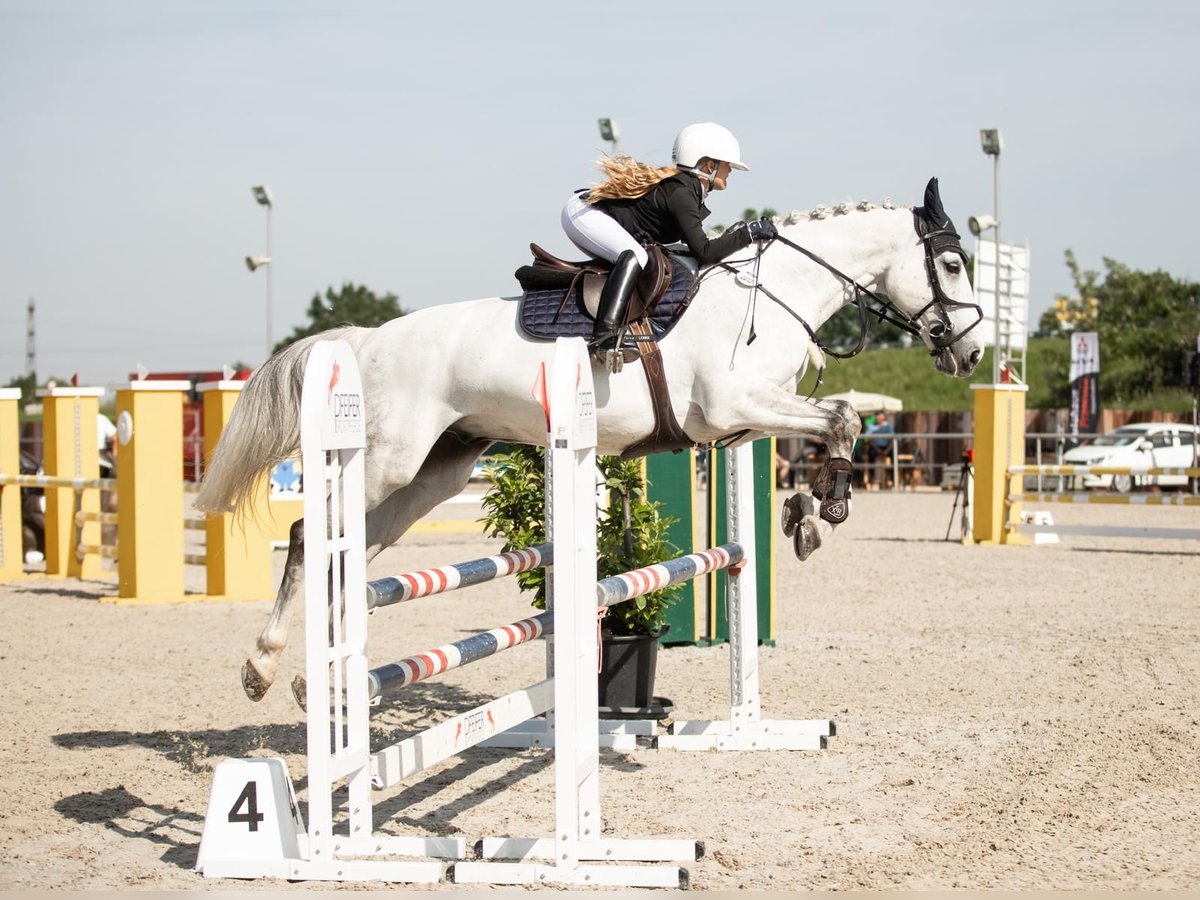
<point x="610" y="315"/>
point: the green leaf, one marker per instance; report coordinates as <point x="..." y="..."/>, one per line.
<point x="514" y="509"/>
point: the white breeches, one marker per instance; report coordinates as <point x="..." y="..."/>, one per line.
<point x="597" y="233"/>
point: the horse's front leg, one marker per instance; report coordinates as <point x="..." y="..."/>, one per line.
<point x="807" y="519"/>
<point x="258" y="672"/>
<point x="805" y="523"/>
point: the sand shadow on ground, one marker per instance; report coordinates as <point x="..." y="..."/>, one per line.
<point x="130" y="816"/>
<point x="43" y="588"/>
<point x="194" y="751"/>
<point x="197" y="753"/>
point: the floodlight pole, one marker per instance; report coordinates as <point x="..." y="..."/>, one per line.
<point x="262" y="195"/>
<point x="996" y="214"/>
<point x="270" y="276"/>
<point x="990" y="140"/>
<point x="610" y="131"/>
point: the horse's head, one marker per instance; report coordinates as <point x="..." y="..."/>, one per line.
<point x="929" y="286"/>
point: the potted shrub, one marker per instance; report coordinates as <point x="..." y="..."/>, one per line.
<point x="630" y="534"/>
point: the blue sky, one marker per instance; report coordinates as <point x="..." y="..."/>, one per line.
<point x="419" y="150"/>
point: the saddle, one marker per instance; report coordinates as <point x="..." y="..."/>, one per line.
<point x="561" y="298"/>
<point x="549" y="271"/>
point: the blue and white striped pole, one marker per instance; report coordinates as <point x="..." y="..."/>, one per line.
<point x="440" y="580"/>
<point x="619" y="588"/>
<point x="421" y="666"/>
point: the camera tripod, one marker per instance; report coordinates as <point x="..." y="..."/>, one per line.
<point x="965" y="473"/>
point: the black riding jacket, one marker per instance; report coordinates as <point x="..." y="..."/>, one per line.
<point x="673" y="210"/>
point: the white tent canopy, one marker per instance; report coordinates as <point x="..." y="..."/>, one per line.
<point x="868" y="402"/>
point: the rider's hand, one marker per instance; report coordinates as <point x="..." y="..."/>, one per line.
<point x="762" y="229"/>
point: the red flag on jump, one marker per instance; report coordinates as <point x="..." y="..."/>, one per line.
<point x="539" y="393"/>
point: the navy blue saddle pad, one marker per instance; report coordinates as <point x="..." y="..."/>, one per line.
<point x="544" y="316"/>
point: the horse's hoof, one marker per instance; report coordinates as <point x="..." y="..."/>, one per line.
<point x="795" y="509"/>
<point x="300" y="691"/>
<point x="253" y="684"/>
<point x="806" y="539"/>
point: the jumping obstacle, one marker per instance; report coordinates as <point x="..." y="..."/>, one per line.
<point x="762" y="489"/>
<point x="1000" y="457"/>
<point x="999" y="442"/>
<point x="745" y="729"/>
<point x="1016" y="495"/>
<point x="150" y="524"/>
<point x="239" y="843"/>
<point x="12" y="554"/>
<point x="671" y="482"/>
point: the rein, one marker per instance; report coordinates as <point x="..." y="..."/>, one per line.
<point x="939" y="335"/>
<point x="863" y="311"/>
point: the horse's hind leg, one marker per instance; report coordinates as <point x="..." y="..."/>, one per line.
<point x="444" y="474"/>
<point x="258" y="672"/>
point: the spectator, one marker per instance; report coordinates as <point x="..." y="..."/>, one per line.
<point x="783" y="471"/>
<point x="106" y="434"/>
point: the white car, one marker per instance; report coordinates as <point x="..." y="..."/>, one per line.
<point x="1144" y="445"/>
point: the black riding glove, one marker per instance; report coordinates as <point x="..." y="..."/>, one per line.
<point x="762" y="229"/>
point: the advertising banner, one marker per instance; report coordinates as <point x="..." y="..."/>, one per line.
<point x="1085" y="384"/>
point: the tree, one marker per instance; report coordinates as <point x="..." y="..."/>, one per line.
<point x="29" y="387"/>
<point x="749" y="214"/>
<point x="352" y="305"/>
<point x="1147" y="322"/>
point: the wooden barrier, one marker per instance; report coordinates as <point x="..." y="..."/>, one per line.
<point x="671" y="482"/>
<point x="12" y="553"/>
<point x="150" y="523"/>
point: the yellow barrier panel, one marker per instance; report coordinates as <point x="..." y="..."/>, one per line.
<point x="72" y="450"/>
<point x="999" y="444"/>
<point x="238" y="553"/>
<point x="12" y="553"/>
<point x="150" y="492"/>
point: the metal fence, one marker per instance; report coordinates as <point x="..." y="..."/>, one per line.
<point x="910" y="460"/>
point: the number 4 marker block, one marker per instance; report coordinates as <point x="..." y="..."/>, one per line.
<point x="253" y="826"/>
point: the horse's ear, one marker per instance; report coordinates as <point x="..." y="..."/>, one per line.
<point x="933" y="201"/>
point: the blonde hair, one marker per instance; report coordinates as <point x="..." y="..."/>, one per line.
<point x="626" y="178"/>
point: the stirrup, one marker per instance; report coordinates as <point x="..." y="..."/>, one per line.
<point x="601" y="348"/>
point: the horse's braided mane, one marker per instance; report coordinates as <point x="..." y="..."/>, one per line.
<point x="840" y="209"/>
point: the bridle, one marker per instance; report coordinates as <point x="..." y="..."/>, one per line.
<point x="938" y="336"/>
<point x="937" y="241"/>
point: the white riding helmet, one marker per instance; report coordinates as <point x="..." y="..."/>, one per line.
<point x="707" y="139"/>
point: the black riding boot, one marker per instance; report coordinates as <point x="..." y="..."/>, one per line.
<point x="614" y="300"/>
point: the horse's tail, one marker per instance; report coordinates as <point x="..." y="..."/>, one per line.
<point x="264" y="428"/>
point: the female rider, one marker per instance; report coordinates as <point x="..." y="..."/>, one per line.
<point x="640" y="203"/>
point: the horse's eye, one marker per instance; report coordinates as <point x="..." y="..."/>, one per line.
<point x="954" y="267"/>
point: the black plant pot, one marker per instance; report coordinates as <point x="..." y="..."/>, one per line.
<point x="627" y="668"/>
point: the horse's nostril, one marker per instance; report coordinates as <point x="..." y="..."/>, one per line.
<point x="976" y="355"/>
